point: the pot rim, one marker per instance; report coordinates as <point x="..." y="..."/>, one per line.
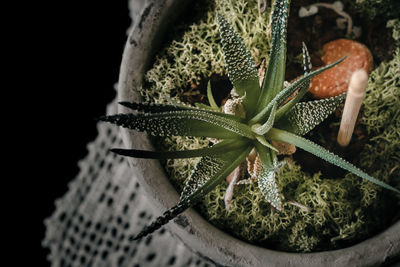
<point x="197" y="233"/>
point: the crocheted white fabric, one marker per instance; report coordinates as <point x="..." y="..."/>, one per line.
<point x="105" y="206"/>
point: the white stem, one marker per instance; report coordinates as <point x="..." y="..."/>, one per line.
<point x="233" y="177"/>
<point x="354" y="98"/>
<point x="301" y="206"/>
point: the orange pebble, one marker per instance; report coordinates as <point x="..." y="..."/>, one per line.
<point x="335" y="81"/>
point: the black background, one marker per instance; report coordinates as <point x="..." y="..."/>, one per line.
<point x="72" y="52"/>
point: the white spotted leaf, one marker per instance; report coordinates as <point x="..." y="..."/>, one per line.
<point x="300" y="84"/>
<point x="304" y="116"/>
<point x="266" y="179"/>
<point x="182" y="123"/>
<point x="211" y="169"/>
<point x="275" y="71"/>
<point x="240" y="66"/>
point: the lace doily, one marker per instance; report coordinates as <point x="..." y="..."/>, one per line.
<point x="105" y="206"/>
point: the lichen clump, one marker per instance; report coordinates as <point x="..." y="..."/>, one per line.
<point x="382" y="121"/>
<point x="373" y="8"/>
<point x="342" y="209"/>
<point x="198" y="54"/>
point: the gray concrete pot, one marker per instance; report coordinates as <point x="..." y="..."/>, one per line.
<point x="190" y="227"/>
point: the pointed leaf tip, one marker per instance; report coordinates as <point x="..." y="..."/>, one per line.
<point x="267" y="178"/>
<point x="217" y="149"/>
<point x="306" y="59"/>
<point x="103" y="118"/>
<point x="114" y="150"/>
<point x="240" y="66"/>
<point x="163" y="219"/>
<point x="125" y="104"/>
<point x="319" y="151"/>
<point x="275" y="70"/>
<point x="183" y="123"/>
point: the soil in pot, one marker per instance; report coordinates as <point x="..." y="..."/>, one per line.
<point x="344" y="208"/>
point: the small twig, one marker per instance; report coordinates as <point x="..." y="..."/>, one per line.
<point x="354" y="98"/>
<point x="264" y="6"/>
<point x="393" y="169"/>
<point x="301" y="206"/>
<point x="232" y="178"/>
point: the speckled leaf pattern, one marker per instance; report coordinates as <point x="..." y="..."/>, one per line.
<point x="210" y="171"/>
<point x="217" y="149"/>
<point x="163" y="219"/>
<point x="268" y="187"/>
<point x="182" y="123"/>
<point x="306" y="59"/>
<point x="206" y="168"/>
<point x="304" y="116"/>
<point x="240" y="66"/>
<point x="288" y="91"/>
<point x="267" y="178"/>
<point x="152" y="107"/>
<point x="275" y="71"/>
<point x="302" y="89"/>
<point x="319" y="151"/>
<point x="299" y="84"/>
<point x="159" y="108"/>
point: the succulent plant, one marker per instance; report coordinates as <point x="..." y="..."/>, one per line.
<point x="268" y="116"/>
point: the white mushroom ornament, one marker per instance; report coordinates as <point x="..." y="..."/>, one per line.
<point x="349" y="76"/>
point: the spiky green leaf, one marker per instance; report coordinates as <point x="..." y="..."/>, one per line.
<point x="304" y="116"/>
<point x="266" y="179"/>
<point x="302" y="90"/>
<point x="262" y="129"/>
<point x="212" y="169"/>
<point x="306" y="59"/>
<point x="204" y="106"/>
<point x="182" y="123"/>
<point x="288" y="91"/>
<point x="153" y="107"/>
<point x="160" y="108"/>
<point x="307" y="145"/>
<point x="210" y="97"/>
<point x="208" y="173"/>
<point x="216" y="149"/>
<point x="240" y="66"/>
<point x="275" y="71"/>
<point x="163" y="219"/>
<point x="261" y="139"/>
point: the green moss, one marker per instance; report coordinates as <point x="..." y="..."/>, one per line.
<point x="382" y="120"/>
<point x="198" y="54"/>
<point x="335" y="213"/>
<point x="373" y="8"/>
<point x="343" y="211"/>
<point x="395" y="24"/>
